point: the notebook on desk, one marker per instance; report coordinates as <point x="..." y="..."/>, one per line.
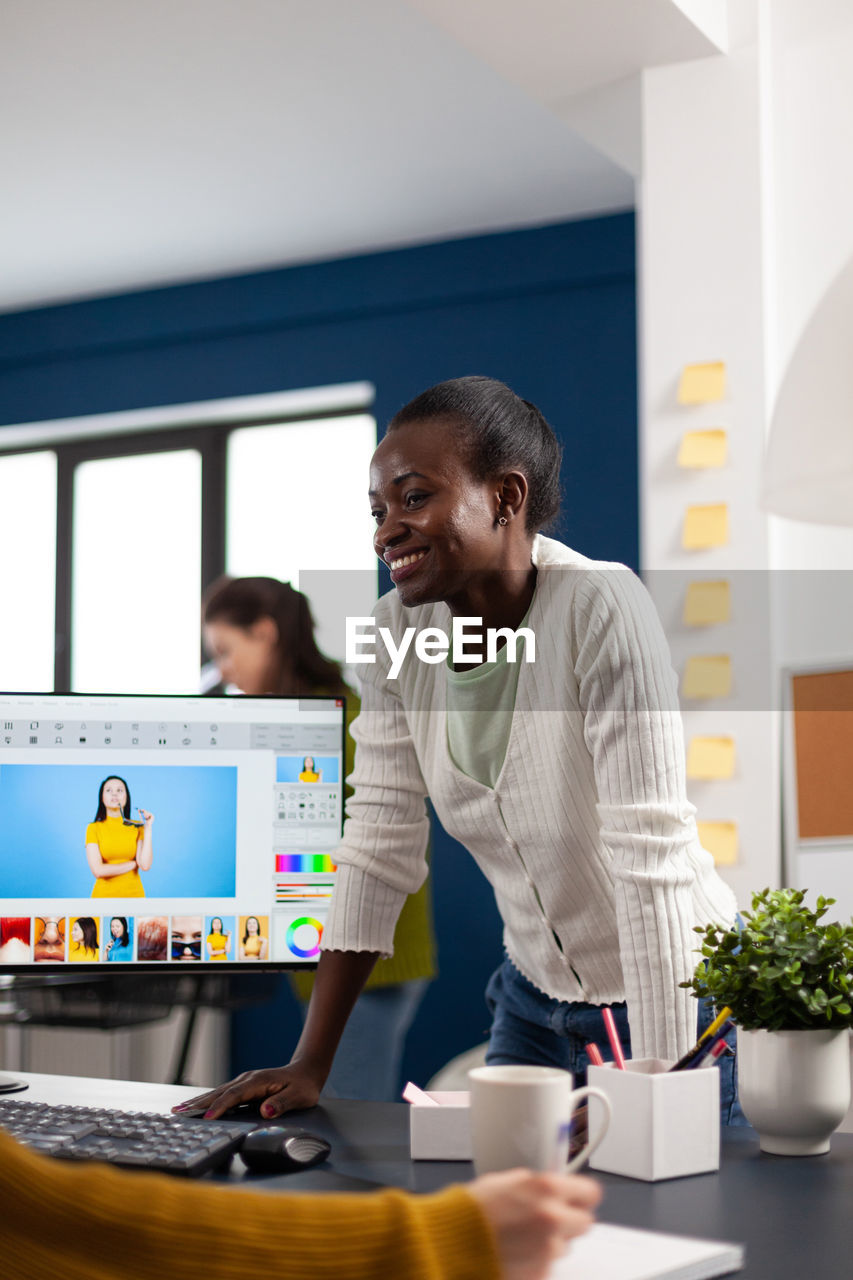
<point x="607" y="1252"/>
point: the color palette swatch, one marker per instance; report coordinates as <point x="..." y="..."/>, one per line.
<point x="303" y="937"/>
<point x="302" y="890"/>
<point x="298" y="862"/>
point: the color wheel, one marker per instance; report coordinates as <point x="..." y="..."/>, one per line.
<point x="308" y="931"/>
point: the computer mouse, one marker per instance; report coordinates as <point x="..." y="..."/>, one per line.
<point x="282" y="1150"/>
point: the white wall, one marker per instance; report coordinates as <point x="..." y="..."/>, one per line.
<point x="702" y="298"/>
<point x="809" y="52"/>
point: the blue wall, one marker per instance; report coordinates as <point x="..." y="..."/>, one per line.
<point x="550" y="311"/>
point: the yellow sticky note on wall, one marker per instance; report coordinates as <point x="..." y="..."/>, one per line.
<point x="707" y="603"/>
<point x="708" y="676"/>
<point x="706" y="526"/>
<point x="721" y="841"/>
<point x="711" y="758"/>
<point x="701" y="383"/>
<point x="703" y="448"/>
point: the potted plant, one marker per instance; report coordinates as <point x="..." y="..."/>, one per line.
<point x="788" y="979"/>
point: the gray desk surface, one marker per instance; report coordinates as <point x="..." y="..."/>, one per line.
<point x="794" y="1215"/>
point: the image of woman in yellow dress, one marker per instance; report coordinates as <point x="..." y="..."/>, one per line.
<point x="84" y="939"/>
<point x="218" y="940"/>
<point x="309" y="772"/>
<point x="254" y="945"/>
<point x="117" y="848"/>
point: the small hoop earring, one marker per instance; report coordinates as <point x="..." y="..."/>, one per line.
<point x="501" y="519"/>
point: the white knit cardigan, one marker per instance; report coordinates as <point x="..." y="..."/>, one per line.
<point x="588" y="839"/>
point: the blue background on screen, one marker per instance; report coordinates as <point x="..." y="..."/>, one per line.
<point x="45" y="809"/>
<point x="288" y="768"/>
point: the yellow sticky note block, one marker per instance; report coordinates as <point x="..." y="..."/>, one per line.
<point x="701" y="383"/>
<point x="721" y="840"/>
<point x="711" y="758"/>
<point x="703" y="448"/>
<point x="707" y="603"/>
<point x="708" y="676"/>
<point x="706" y="526"/>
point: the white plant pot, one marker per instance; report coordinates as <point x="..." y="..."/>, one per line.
<point x="794" y="1087"/>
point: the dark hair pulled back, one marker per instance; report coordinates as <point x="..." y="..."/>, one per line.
<point x="241" y="602"/>
<point x="501" y="433"/>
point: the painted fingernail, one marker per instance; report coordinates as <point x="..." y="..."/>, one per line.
<point x="208" y="1115"/>
<point x="182" y="1106"/>
<point x="267" y="1109"/>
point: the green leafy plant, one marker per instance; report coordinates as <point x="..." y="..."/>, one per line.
<point x="784" y="971"/>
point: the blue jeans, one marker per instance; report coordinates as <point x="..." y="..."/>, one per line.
<point x="530" y="1027"/>
<point x="370" y="1054"/>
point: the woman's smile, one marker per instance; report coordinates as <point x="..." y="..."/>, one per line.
<point x="403" y="566"/>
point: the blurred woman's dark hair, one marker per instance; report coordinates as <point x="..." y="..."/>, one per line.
<point x="302" y="668"/>
<point x="500" y="432"/>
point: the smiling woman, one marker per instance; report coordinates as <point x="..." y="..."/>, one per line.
<point x="564" y="778"/>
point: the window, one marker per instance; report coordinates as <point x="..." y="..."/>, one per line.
<point x="297" y="511"/>
<point x="119" y="526"/>
<point x="27" y="570"/>
<point x="136" y="578"/>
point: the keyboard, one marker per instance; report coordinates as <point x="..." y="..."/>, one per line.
<point x="132" y="1139"/>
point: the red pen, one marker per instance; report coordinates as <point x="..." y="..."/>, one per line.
<point x="719" y="1047"/>
<point x="612" y="1036"/>
<point x="594" y="1054"/>
<point x="707" y="1056"/>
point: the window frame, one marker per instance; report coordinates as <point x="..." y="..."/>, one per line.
<point x="204" y="427"/>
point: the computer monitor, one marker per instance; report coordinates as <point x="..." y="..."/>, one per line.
<point x="148" y="832"/>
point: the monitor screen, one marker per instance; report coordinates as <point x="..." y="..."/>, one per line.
<point x="150" y="831"/>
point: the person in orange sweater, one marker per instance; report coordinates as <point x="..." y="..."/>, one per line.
<point x="57" y="1219"/>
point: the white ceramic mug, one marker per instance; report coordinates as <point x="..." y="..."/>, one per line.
<point x="520" y="1117"/>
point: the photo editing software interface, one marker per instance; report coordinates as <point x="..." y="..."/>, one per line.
<point x="167" y="830"/>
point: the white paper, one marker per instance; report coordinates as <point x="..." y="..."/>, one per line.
<point x="623" y="1253"/>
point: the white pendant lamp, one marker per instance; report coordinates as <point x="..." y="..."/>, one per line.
<point x="808" y="467"/>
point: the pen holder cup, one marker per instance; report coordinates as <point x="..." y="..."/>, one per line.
<point x="664" y="1124"/>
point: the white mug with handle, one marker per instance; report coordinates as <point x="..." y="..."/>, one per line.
<point x="520" y="1118"/>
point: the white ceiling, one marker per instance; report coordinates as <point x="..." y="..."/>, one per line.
<point x="155" y="142"/>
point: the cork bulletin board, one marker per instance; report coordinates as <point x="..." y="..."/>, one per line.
<point x="821" y="703"/>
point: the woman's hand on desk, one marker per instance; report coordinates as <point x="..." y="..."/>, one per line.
<point x="341" y="976"/>
<point x="289" y="1088"/>
<point x="534" y="1216"/>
